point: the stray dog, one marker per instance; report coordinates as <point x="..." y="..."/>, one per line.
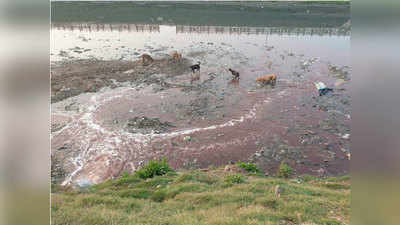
<point x="176" y="55"/>
<point x="234" y="73"/>
<point x="268" y="79"/>
<point x="146" y="58"/>
<point x="195" y="67"/>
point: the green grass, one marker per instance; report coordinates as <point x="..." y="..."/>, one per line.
<point x="196" y="198"/>
<point x="153" y="168"/>
<point x="285" y="171"/>
<point x="249" y="167"/>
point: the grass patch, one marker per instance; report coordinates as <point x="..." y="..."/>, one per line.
<point x="159" y="196"/>
<point x="248" y="167"/>
<point x="234" y="178"/>
<point x="203" y="198"/>
<point x="154" y="168"/>
<point x="284" y="171"/>
<point x="134" y="193"/>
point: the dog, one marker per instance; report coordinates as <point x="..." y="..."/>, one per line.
<point x="176" y="56"/>
<point x="268" y="79"/>
<point x="195" y="67"/>
<point x="234" y="73"/>
<point x="146" y="59"/>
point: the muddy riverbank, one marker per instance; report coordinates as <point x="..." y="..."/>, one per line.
<point x="110" y="113"/>
<point x="195" y="120"/>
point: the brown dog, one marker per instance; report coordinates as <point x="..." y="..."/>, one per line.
<point x="176" y="55"/>
<point x="268" y="79"/>
<point x="146" y="59"/>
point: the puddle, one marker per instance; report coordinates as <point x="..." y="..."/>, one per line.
<point x="111" y="114"/>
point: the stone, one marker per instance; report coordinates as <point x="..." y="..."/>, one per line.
<point x="84" y="183"/>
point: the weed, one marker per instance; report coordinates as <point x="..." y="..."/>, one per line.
<point x="154" y="168"/>
<point x="159" y="196"/>
<point x="234" y="178"/>
<point x="285" y="171"/>
<point x="249" y="167"/>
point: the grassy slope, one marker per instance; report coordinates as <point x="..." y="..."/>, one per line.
<point x="195" y="197"/>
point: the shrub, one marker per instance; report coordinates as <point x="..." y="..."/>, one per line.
<point x="249" y="167"/>
<point x="285" y="170"/>
<point x="234" y="178"/>
<point x="159" y="196"/>
<point x="154" y="168"/>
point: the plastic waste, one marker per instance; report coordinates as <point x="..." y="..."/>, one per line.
<point x="319" y="85"/>
<point x="322" y="89"/>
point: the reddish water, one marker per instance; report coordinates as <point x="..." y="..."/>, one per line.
<point x="226" y="120"/>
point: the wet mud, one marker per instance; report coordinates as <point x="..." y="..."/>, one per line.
<point x="110" y="113"/>
<point x="195" y="120"/>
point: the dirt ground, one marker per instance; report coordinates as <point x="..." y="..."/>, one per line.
<point x="70" y="79"/>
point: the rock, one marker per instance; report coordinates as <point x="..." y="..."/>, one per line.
<point x="147" y="125"/>
<point x="129" y="71"/>
<point x="63" y="53"/>
<point x="72" y="107"/>
<point x="83" y="184"/>
<point x="346" y="136"/>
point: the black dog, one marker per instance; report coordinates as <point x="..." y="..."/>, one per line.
<point x="195" y="67"/>
<point x="234" y="73"/>
<point x="324" y="91"/>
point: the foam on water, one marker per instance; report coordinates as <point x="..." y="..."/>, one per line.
<point x="97" y="140"/>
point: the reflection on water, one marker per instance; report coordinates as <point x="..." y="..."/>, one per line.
<point x="124" y="30"/>
<point x="90" y="27"/>
<point x="96" y="27"/>
<point x="127" y="41"/>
